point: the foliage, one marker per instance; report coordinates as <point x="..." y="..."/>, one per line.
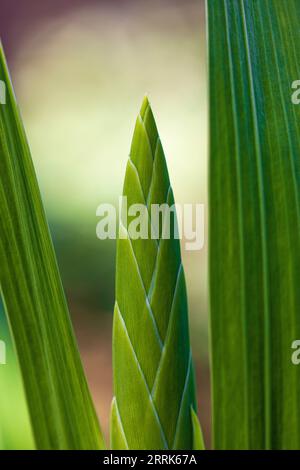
<point x="153" y="370"/>
<point x="254" y="222"/>
<point x="59" y="403"/>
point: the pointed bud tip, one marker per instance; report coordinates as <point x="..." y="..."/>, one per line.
<point x="144" y="106"/>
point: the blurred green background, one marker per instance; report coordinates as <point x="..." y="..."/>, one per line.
<point x="80" y="70"/>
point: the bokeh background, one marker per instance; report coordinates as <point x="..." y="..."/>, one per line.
<point x="80" y="70"/>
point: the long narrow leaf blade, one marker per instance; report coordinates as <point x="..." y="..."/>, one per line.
<point x="254" y="222"/>
<point x="153" y="370"/>
<point x="60" y="406"/>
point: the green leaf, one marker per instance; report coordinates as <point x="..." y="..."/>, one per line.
<point x="153" y="370"/>
<point x="117" y="435"/>
<point x="254" y="222"/>
<point x="59" y="402"/>
<point x="198" y="442"/>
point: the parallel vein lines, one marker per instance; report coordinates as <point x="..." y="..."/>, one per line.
<point x="286" y="122"/>
<point x="291" y="161"/>
<point x="263" y="225"/>
<point x="240" y="212"/>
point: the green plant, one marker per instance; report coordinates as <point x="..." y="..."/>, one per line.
<point x="60" y="407"/>
<point x="254" y="264"/>
<point x="153" y="371"/>
<point x="152" y="362"/>
<point x="254" y="222"/>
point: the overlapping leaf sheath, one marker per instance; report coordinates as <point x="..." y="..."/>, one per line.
<point x="254" y="222"/>
<point x="60" y="406"/>
<point x="153" y="370"/>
